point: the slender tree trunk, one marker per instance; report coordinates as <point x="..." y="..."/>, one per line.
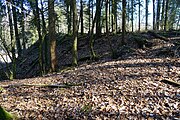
<point x="132" y="15"/>
<point x="18" y="44"/>
<point x="52" y="37"/>
<point x="45" y="42"/>
<point x="68" y="16"/>
<point x="107" y="29"/>
<point x="98" y="21"/>
<point x="112" y="16"/>
<point x="162" y="15"/>
<point x="139" y="13"/>
<point x="91" y="39"/>
<point x="158" y="14"/>
<point x="13" y="74"/>
<point x="75" y="31"/>
<point x="40" y="37"/>
<point x="166" y="15"/>
<point x="22" y="25"/>
<point x="154" y="15"/>
<point x="89" y="16"/>
<point x="123" y="22"/>
<point x="146" y="26"/>
<point x="81" y="16"/>
<point x="128" y="15"/>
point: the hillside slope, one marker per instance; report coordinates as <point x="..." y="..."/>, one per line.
<point x="128" y="87"/>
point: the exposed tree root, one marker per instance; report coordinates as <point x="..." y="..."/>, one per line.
<point x="42" y="85"/>
<point x="176" y="84"/>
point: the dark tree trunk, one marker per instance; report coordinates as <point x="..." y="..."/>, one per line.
<point x="18" y="44"/>
<point x="146" y="26"/>
<point x="139" y="13"/>
<point x="123" y="21"/>
<point x="166" y="15"/>
<point x="154" y="15"/>
<point x="158" y="14"/>
<point x="98" y="20"/>
<point x="107" y="3"/>
<point x="132" y="15"/>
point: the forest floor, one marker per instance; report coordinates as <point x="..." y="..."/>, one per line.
<point x="128" y="87"/>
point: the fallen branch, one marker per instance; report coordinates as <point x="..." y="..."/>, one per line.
<point x="41" y="85"/>
<point x="158" y="36"/>
<point x="176" y="84"/>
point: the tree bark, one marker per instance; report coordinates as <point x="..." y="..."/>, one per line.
<point x="98" y="23"/>
<point x="52" y="37"/>
<point x="81" y="16"/>
<point x="166" y="15"/>
<point x="13" y="74"/>
<point x="158" y="14"/>
<point x="123" y="21"/>
<point x="139" y="13"/>
<point x="132" y="15"/>
<point x="146" y="26"/>
<point x="75" y="33"/>
<point x="154" y="15"/>
<point x="18" y="44"/>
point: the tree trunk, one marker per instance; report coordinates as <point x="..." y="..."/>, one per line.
<point x="123" y="21"/>
<point x="13" y="74"/>
<point x="132" y="15"/>
<point x="81" y="16"/>
<point x="18" y="44"/>
<point x="146" y="26"/>
<point x="22" y="25"/>
<point x="162" y="15"/>
<point x="158" y="14"/>
<point x="40" y="37"/>
<point x="139" y="13"/>
<point x="112" y="16"/>
<point x="98" y="20"/>
<point x="75" y="32"/>
<point x="52" y="37"/>
<point x="89" y="16"/>
<point x="107" y="3"/>
<point x="45" y="43"/>
<point x="154" y="25"/>
<point x="166" y="15"/>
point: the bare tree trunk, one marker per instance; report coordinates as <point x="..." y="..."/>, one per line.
<point x="154" y="15"/>
<point x="52" y="37"/>
<point x="146" y="26"/>
<point x="162" y="14"/>
<point x="18" y="44"/>
<point x="166" y="15"/>
<point x="132" y="15"/>
<point x="22" y="25"/>
<point x="98" y="20"/>
<point x="75" y="32"/>
<point x="107" y="3"/>
<point x="123" y="21"/>
<point x="81" y="16"/>
<point x="139" y="13"/>
<point x="13" y="74"/>
<point x="158" y="14"/>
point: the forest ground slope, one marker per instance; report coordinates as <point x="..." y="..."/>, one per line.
<point x="128" y="87"/>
